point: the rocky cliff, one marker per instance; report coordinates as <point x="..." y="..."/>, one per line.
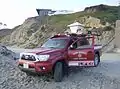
<point x="30" y="34"/>
<point x="33" y="33"/>
<point x="36" y="30"/>
<point x="97" y="8"/>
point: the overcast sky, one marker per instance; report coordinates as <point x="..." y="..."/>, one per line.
<point x="14" y="12"/>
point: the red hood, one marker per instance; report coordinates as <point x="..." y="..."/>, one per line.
<point x="45" y="51"/>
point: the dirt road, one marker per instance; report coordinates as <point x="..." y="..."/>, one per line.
<point x="105" y="76"/>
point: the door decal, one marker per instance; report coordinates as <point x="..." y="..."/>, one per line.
<point x="79" y="55"/>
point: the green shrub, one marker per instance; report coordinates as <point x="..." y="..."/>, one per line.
<point x="108" y="28"/>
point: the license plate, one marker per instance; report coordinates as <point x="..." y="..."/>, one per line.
<point x="25" y="65"/>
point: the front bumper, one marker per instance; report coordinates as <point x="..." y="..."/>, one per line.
<point x="35" y="67"/>
<point x="29" y="70"/>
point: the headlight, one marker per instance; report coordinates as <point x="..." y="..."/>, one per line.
<point x="42" y="57"/>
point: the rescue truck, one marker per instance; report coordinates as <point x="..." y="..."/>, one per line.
<point x="60" y="52"/>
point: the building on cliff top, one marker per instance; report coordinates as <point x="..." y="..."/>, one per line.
<point x="49" y="12"/>
<point x="44" y="12"/>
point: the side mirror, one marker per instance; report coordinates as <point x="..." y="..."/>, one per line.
<point x="71" y="47"/>
<point x="89" y="32"/>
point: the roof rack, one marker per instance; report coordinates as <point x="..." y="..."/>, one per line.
<point x="59" y="35"/>
<point x="77" y="35"/>
<point x="89" y="34"/>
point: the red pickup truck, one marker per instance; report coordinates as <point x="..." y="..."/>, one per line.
<point x="61" y="51"/>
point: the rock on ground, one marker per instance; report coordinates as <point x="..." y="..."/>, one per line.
<point x="105" y="76"/>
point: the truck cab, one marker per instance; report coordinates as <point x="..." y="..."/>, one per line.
<point x="60" y="52"/>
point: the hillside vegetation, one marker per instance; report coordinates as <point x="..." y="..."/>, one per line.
<point x="35" y="30"/>
<point x="103" y="12"/>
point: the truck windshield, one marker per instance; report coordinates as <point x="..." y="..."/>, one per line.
<point x="55" y="43"/>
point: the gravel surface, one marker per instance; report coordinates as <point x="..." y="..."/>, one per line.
<point x="105" y="76"/>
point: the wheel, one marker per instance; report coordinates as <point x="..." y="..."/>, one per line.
<point x="66" y="70"/>
<point x="58" y="72"/>
<point x="96" y="60"/>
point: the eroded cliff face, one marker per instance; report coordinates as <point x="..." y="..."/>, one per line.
<point x="30" y="34"/>
<point x="33" y="32"/>
<point x="92" y="22"/>
<point x="96" y="8"/>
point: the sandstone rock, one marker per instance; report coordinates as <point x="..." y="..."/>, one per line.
<point x="93" y="9"/>
<point x="33" y="32"/>
<point x="92" y="22"/>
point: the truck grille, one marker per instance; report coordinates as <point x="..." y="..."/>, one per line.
<point x="28" y="57"/>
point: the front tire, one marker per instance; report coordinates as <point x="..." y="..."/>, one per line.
<point x="58" y="72"/>
<point x="96" y="60"/>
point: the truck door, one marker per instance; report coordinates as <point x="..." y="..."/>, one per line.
<point x="81" y="53"/>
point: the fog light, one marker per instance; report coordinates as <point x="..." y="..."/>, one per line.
<point x="42" y="68"/>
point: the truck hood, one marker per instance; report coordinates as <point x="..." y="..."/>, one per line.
<point x="44" y="51"/>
